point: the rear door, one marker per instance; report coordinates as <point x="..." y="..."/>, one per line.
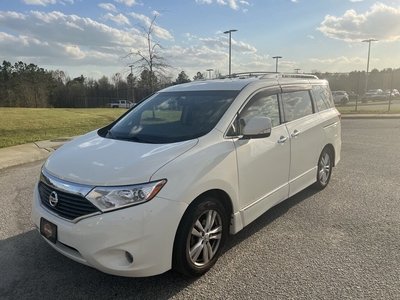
<point x="305" y="129"/>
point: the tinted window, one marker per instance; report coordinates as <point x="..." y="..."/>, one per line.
<point x="322" y="97"/>
<point x="261" y="104"/>
<point x="173" y="116"/>
<point x="296" y="105"/>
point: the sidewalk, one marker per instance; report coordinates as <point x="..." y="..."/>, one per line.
<point x="21" y="154"/>
<point x="18" y="155"/>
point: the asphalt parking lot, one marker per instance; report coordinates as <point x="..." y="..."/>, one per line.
<point x="340" y="243"/>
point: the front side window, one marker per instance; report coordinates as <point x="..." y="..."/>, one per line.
<point x="169" y="117"/>
<point x="296" y="105"/>
<point x="261" y="104"/>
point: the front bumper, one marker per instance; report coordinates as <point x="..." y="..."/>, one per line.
<point x="145" y="231"/>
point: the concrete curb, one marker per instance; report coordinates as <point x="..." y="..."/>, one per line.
<point x="370" y="116"/>
<point x="21" y="154"/>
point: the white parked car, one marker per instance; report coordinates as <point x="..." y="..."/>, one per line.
<point x="164" y="185"/>
<point x="340" y="97"/>
<point x="376" y="95"/>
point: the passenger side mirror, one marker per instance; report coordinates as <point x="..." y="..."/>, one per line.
<point x="257" y="127"/>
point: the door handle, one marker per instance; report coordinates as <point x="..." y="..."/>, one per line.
<point x="282" y="139"/>
<point x="295" y="133"/>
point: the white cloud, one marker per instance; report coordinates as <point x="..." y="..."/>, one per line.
<point x="74" y="52"/>
<point x="64" y="40"/>
<point x="222" y="43"/>
<point x="339" y="60"/>
<point x="232" y="3"/>
<point x="39" y="2"/>
<point x="119" y="19"/>
<point x="127" y="2"/>
<point x="108" y="6"/>
<point x="158" y="31"/>
<point x="204" y="1"/>
<point x="356" y="0"/>
<point x="381" y="22"/>
<point x="56" y="26"/>
<point x="310" y="36"/>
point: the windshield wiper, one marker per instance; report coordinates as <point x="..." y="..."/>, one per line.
<point x="139" y="140"/>
<point x="109" y="134"/>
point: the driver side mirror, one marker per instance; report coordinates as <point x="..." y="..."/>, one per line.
<point x="257" y="127"/>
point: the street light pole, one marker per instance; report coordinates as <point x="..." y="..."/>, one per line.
<point x="209" y="73"/>
<point x="276" y="57"/>
<point x="369" y="51"/>
<point x="131" y="84"/>
<point x="230" y="46"/>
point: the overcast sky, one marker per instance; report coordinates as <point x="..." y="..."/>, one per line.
<point x="93" y="37"/>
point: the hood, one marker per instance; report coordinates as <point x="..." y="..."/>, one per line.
<point x="94" y="160"/>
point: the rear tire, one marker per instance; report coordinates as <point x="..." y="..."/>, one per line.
<point x="325" y="164"/>
<point x="200" y="237"/>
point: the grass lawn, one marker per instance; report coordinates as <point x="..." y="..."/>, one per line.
<point x="23" y="125"/>
<point x="363" y="110"/>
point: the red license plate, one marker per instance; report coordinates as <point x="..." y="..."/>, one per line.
<point x="48" y="230"/>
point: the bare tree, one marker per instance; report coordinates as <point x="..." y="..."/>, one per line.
<point x="152" y="58"/>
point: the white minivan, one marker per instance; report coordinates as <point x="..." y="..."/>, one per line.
<point x="164" y="185"/>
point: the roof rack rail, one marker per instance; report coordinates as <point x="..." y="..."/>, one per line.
<point x="247" y="74"/>
<point x="264" y="75"/>
<point x="290" y="75"/>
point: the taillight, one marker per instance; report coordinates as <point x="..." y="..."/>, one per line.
<point x="340" y="116"/>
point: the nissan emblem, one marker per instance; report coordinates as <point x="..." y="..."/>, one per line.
<point x="53" y="199"/>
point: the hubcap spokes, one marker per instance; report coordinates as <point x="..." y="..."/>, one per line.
<point x="324" y="168"/>
<point x="205" y="238"/>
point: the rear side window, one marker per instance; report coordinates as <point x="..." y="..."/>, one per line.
<point x="323" y="97"/>
<point x="296" y="105"/>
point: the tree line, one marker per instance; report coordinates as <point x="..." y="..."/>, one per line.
<point x="356" y="81"/>
<point x="28" y="85"/>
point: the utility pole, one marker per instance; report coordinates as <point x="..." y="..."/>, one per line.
<point x="369" y="50"/>
<point x="230" y="46"/>
<point x="209" y="73"/>
<point x="276" y="57"/>
<point x="131" y="84"/>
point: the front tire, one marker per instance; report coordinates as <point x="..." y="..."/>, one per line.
<point x="325" y="164"/>
<point x="200" y="237"/>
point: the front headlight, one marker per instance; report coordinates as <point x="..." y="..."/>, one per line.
<point x="115" y="197"/>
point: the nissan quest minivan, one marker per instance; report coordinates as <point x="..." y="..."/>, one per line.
<point x="164" y="185"/>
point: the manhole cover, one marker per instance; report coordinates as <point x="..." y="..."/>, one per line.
<point x="60" y="140"/>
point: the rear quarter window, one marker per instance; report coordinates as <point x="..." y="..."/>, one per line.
<point x="323" y="97"/>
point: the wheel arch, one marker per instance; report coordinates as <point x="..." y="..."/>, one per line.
<point x="219" y="195"/>
<point x="332" y="150"/>
<point x="223" y="198"/>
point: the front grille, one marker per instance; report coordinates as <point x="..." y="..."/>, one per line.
<point x="69" y="206"/>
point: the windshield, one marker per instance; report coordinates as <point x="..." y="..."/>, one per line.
<point x="169" y="117"/>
